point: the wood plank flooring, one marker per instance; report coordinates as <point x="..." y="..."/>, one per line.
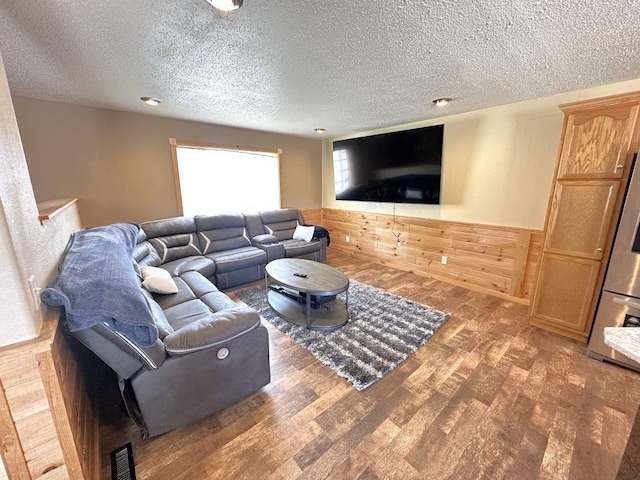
<point x="487" y="397"/>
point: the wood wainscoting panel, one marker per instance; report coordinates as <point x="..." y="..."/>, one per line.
<point x="312" y="216"/>
<point x="53" y="415"/>
<point x="64" y="370"/>
<point x="12" y="450"/>
<point x="500" y="261"/>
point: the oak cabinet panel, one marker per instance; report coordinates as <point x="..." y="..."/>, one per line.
<point x="596" y="143"/>
<point x="580" y="217"/>
<point x="567" y="289"/>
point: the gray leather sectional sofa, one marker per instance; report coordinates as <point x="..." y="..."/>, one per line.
<point x="229" y="249"/>
<point x="210" y="352"/>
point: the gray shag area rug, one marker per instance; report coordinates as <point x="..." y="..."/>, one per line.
<point x="383" y="330"/>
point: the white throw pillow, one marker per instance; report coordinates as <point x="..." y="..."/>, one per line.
<point x="158" y="280"/>
<point x="303" y="233"/>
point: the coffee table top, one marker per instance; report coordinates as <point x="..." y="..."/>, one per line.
<point x="320" y="279"/>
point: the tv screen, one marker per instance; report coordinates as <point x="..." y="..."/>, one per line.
<point x="401" y="167"/>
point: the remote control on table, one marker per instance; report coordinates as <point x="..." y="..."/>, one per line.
<point x="301" y="275"/>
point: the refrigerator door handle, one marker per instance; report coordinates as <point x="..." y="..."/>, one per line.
<point x="627" y="303"/>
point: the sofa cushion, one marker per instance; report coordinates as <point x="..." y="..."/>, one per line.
<point x="254" y="224"/>
<point x="175" y="247"/>
<point x="172" y="238"/>
<point x="163" y="326"/>
<point x="217" y="301"/>
<point x="199" y="299"/>
<point x="222" y="232"/>
<point x="303" y="233"/>
<point x="264" y="239"/>
<point x="296" y="248"/>
<point x="282" y="230"/>
<point x="191" y="286"/>
<point x="196" y="263"/>
<point x="206" y="329"/>
<point x="198" y="284"/>
<point x="145" y="255"/>
<point x="184" y="313"/>
<point x="224" y="239"/>
<point x="238" y="258"/>
<point x="168" y="227"/>
<point x="184" y="295"/>
<point x="158" y="280"/>
<point x="280" y="223"/>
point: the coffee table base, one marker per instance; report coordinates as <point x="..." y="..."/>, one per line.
<point x="328" y="316"/>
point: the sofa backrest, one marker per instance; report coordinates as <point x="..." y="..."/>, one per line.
<point x="254" y="224"/>
<point x="223" y="231"/>
<point x="281" y="223"/>
<point x="173" y="238"/>
<point x="145" y="255"/>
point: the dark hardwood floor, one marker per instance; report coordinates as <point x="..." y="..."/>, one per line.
<point x="487" y="397"/>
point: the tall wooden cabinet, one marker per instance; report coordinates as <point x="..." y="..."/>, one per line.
<point x="599" y="140"/>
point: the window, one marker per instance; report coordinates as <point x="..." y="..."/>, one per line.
<point x="216" y="179"/>
<point x="341" y="173"/>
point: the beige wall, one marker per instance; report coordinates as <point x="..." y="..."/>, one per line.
<point x="18" y="321"/>
<point x="498" y="163"/>
<point x="118" y="164"/>
<point x="26" y="247"/>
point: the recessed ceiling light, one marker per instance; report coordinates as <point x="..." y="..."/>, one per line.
<point x="319" y="130"/>
<point x="441" y="102"/>
<point x="150" y="100"/>
<point x="225" y="5"/>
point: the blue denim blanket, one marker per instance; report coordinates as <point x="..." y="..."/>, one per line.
<point x="96" y="283"/>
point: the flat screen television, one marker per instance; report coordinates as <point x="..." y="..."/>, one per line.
<point x="400" y="167"/>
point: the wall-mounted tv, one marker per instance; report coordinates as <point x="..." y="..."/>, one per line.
<point x="400" y="167"/>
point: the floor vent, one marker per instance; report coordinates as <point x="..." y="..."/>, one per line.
<point x="122" y="463"/>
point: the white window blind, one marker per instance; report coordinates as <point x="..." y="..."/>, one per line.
<point x="216" y="180"/>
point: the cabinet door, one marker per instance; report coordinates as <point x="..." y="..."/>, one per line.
<point x="596" y="143"/>
<point x="565" y="288"/>
<point x="580" y="217"/>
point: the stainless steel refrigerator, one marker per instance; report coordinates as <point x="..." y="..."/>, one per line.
<point x="620" y="300"/>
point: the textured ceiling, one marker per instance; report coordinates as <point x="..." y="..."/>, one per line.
<point x="289" y="66"/>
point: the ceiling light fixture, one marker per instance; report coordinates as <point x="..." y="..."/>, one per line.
<point x="441" y="102"/>
<point x="225" y="5"/>
<point x="319" y="130"/>
<point x="150" y="101"/>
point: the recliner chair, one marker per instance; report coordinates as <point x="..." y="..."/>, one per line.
<point x="210" y="354"/>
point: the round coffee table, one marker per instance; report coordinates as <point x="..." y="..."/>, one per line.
<point x="304" y="292"/>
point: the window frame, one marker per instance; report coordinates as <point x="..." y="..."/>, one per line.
<point x="344" y="163"/>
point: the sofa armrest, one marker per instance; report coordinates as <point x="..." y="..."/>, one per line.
<point x="264" y="239"/>
<point x="270" y="244"/>
<point x="213" y="330"/>
<point x="321" y="233"/>
<point x="322" y="256"/>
